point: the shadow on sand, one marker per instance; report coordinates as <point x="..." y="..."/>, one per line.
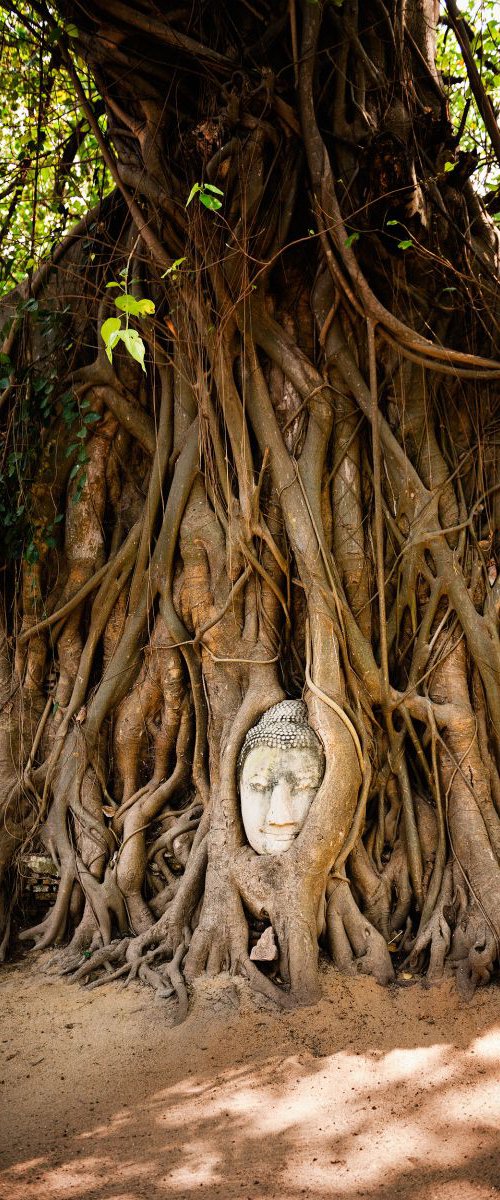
<point x="374" y="1093"/>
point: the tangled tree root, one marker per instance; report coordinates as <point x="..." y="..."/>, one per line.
<point x="296" y="497"/>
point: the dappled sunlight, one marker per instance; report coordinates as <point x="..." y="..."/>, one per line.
<point x="419" y="1119"/>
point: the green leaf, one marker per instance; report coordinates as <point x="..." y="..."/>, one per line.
<point x="393" y="222"/>
<point x="79" y="487"/>
<point x="32" y="553"/>
<point x="194" y="191"/>
<point x="74" y="471"/>
<point x="110" y="332"/>
<point x="90" y="417"/>
<point x="108" y="327"/>
<point x="405" y="245"/>
<point x="82" y="433"/>
<point x="135" y="308"/>
<point x="208" y="194"/>
<point x="72" y="31"/>
<point x="127" y="304"/>
<point x="353" y="237"/>
<point x="134" y="344"/>
<point x="210" y="201"/>
<point x="145" y="308"/>
<point x="174" y="268"/>
<point x="449" y="166"/>
<point x="113" y="285"/>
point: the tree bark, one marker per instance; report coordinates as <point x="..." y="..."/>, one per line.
<point x="294" y="498"/>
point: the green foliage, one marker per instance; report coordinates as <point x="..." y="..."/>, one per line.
<point x="40" y="405"/>
<point x="135" y="308"/>
<point x="207" y="194"/>
<point x="112" y="330"/>
<point x="172" y="271"/>
<point x="108" y="329"/>
<point x="482" y="20"/>
<point x="51" y="168"/>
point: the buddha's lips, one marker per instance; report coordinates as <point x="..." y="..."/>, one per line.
<point x="272" y="837"/>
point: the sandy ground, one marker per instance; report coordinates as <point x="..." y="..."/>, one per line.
<point x="375" y="1093"/>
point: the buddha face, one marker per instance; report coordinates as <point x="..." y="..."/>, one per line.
<point x="277" y="787"/>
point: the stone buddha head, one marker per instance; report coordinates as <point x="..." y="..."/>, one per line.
<point x="280" y="768"/>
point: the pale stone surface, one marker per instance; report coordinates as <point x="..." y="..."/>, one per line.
<point x="281" y="767"/>
<point x="39" y="864"/>
<point x="265" y="950"/>
<point x="277" y="788"/>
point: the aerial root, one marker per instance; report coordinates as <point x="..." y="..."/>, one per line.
<point x="435" y="937"/>
<point x="355" y="945"/>
<point x="473" y="952"/>
<point x="128" y="959"/>
<point x="103" y="956"/>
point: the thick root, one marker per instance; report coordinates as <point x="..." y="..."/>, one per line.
<point x="355" y="945"/>
<point x="435" y="937"/>
<point x="474" y="952"/>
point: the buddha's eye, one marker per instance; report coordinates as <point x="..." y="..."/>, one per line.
<point x="259" y="787"/>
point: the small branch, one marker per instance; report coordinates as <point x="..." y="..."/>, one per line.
<point x="142" y="225"/>
<point x="477" y="86"/>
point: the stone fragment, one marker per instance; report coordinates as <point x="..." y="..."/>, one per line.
<point x="265" y="950"/>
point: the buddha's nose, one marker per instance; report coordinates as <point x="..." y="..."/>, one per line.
<point x="280" y="808"/>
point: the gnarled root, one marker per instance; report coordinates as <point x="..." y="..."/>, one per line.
<point x="474" y="945"/>
<point x="435" y="937"/>
<point x="355" y="945"/>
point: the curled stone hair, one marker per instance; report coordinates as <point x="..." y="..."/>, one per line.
<point x="285" y="725"/>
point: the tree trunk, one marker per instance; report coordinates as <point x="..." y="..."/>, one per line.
<point x="293" y="495"/>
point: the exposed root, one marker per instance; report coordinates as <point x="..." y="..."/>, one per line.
<point x="355" y="945"/>
<point x="295" y="494"/>
<point x="435" y="937"/>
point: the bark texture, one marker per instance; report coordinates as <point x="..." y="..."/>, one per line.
<point x="298" y="497"/>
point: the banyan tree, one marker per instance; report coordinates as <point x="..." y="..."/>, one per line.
<point x="266" y="471"/>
